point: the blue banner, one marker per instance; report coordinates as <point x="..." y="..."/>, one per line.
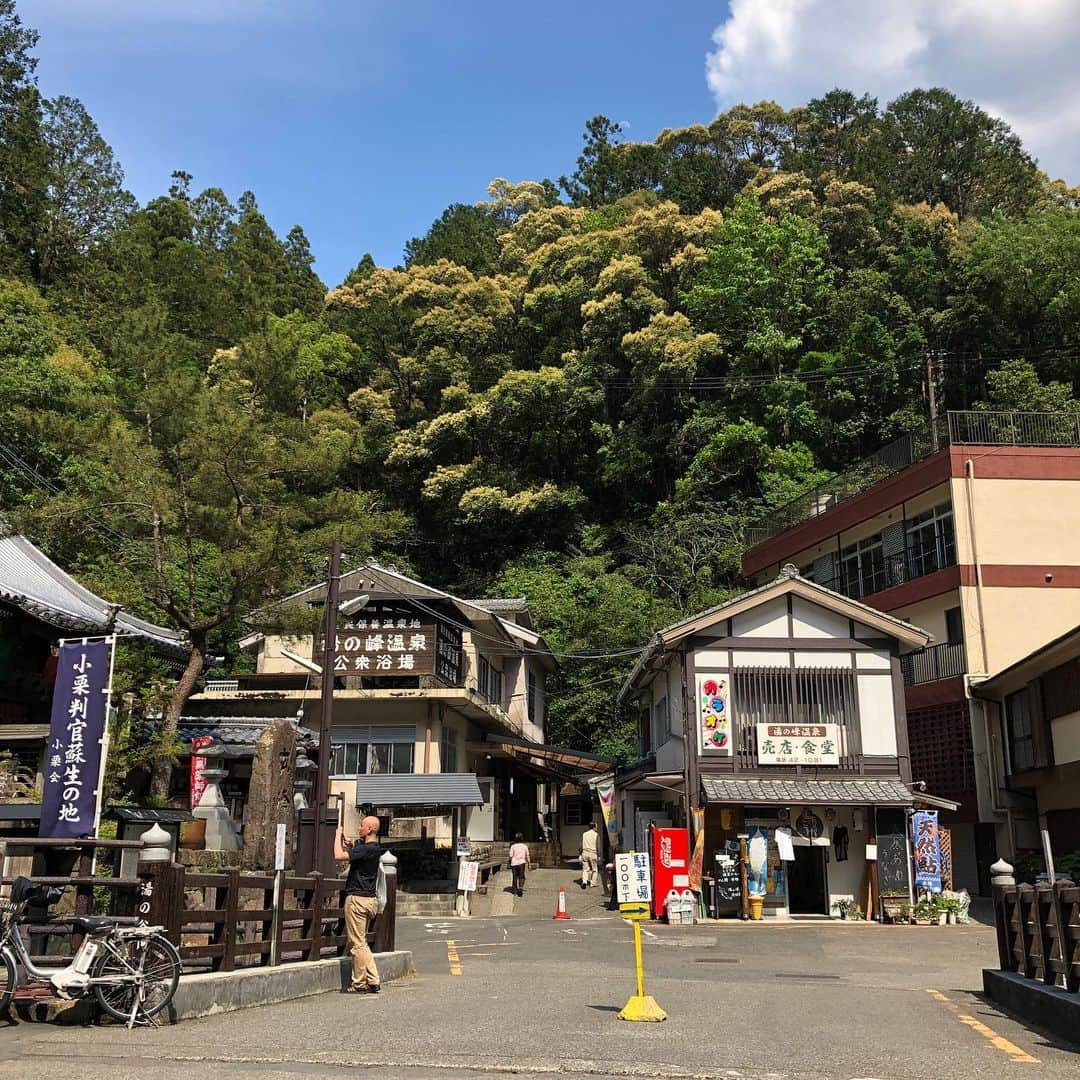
<point x="76" y="740"/>
<point x="926" y="842"/>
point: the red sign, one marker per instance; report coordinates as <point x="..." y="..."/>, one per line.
<point x="198" y="767"/>
<point x="671" y="864"/>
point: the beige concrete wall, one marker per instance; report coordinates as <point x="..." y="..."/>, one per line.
<point x="930" y="614"/>
<point x="271" y="662"/>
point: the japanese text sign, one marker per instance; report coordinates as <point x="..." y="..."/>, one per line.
<point x="798" y="744"/>
<point x="633" y="881"/>
<point x="714" y="714"/>
<point x="467" y="874"/>
<point x="383" y="641"/>
<point x="76" y="737"/>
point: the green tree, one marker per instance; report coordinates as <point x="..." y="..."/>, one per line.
<point x="466" y="235"/>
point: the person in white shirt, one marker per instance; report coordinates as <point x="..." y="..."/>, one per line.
<point x="590" y="857"/>
<point x="520" y="861"/>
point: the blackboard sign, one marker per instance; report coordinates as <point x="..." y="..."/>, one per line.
<point x="892" y="865"/>
<point x="728" y="886"/>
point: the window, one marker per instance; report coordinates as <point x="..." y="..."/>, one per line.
<point x="530" y="697"/>
<point x="644" y="733"/>
<point x="448" y="749"/>
<point x="376" y="749"/>
<point x="862" y="567"/>
<point x="954" y="626"/>
<point x="662" y="721"/>
<point x="1018" y="726"/>
<point x="931" y="542"/>
<point x="489" y="682"/>
<point x="572" y="812"/>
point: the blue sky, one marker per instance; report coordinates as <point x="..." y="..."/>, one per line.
<point x="362" y="121"/>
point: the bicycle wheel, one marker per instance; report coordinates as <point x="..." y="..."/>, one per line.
<point x="143" y="969"/>
<point x="7" y="980"/>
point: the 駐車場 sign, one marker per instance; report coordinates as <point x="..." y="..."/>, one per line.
<point x="798" y="744"/>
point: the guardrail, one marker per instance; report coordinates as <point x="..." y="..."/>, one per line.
<point x="1014" y="428"/>
<point x="944" y="661"/>
<point x="1038" y="932"/>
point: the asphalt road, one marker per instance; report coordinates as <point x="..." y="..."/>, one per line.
<point x="539" y="998"/>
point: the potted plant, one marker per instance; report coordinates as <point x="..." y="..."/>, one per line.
<point x="845" y="907"/>
<point x="950" y="906"/>
<point x="925" y="910"/>
<point x="903" y="914"/>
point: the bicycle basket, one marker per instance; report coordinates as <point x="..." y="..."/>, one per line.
<point x="9" y="915"/>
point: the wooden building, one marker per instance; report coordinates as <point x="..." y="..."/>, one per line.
<point x="782" y="709"/>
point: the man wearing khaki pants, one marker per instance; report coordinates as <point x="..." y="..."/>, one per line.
<point x="361" y="907"/>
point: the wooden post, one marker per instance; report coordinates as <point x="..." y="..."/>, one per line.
<point x="1040" y="932"/>
<point x="229" y="925"/>
<point x="386" y="921"/>
<point x="1027" y="966"/>
<point x="744" y="862"/>
<point x="159" y="886"/>
<point x="314" y="951"/>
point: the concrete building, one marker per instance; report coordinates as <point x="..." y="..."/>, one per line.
<point x="781" y="710"/>
<point x="972" y="534"/>
<point x="1034" y="705"/>
<point x="435" y="697"/>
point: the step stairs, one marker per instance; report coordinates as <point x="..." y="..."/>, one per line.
<point x="426" y="904"/>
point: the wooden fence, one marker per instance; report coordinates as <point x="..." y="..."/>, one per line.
<point x="1038" y="932"/>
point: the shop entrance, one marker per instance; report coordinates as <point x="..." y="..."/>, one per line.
<point x="807" y="894"/>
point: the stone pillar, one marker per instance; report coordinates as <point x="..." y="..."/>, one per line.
<point x="1001" y="880"/>
<point x="157" y="845"/>
<point x="221" y="832"/>
<point x="270" y="797"/>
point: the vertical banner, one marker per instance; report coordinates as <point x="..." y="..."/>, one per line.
<point x="714" y="714"/>
<point x="926" y="842"/>
<point x="75" y="760"/>
<point x="198" y="767"/>
<point x="605" y="790"/>
<point x="697" y="860"/>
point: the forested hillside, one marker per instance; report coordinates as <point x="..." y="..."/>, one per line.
<point x="577" y="391"/>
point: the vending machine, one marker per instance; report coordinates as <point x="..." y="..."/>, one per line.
<point x="671" y="864"/>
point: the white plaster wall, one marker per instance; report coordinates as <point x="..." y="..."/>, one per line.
<point x="878" y="660"/>
<point x="812" y="620"/>
<point x="862" y="632"/>
<point x="822" y="658"/>
<point x="761" y="658"/>
<point x="1065" y="732"/>
<point x="710" y="659"/>
<point x="845" y="879"/>
<point x="877" y="715"/>
<point x="765" y="620"/>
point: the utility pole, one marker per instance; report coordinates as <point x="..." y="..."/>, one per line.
<point x="931" y="396"/>
<point x="326" y="713"/>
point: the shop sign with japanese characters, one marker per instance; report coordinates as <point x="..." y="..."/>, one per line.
<point x="798" y="744"/>
<point x="69" y="805"/>
<point x="633" y="879"/>
<point x="383" y="641"/>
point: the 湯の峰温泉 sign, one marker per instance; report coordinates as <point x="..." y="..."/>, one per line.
<point x="383" y="640"/>
<point x="798" y="744"/>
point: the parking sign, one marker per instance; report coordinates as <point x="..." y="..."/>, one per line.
<point x="633" y="881"/>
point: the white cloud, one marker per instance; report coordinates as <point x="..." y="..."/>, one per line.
<point x="1016" y="58"/>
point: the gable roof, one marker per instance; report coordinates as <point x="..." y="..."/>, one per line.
<point x="788" y="583"/>
<point x="32" y="582"/>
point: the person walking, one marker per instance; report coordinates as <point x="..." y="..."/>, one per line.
<point x="520" y="861"/>
<point x="590" y="856"/>
<point x="361" y="906"/>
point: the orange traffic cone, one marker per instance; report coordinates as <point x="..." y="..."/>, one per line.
<point x="560" y="905"/>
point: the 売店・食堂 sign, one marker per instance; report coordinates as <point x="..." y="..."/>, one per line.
<point x="798" y="744"/>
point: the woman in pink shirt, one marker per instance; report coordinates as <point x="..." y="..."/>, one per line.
<point x="519" y="863"/>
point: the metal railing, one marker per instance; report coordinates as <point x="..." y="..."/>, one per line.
<point x="895" y="570"/>
<point x="960" y="428"/>
<point x="944" y="661"/>
<point x="1014" y="428"/>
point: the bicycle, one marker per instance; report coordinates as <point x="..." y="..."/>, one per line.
<point x="131" y="968"/>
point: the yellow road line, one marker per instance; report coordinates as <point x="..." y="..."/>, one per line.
<point x="488" y="945"/>
<point x="453" y="959"/>
<point x="999" y="1041"/>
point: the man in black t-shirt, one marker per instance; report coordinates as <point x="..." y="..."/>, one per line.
<point x="361" y="907"/>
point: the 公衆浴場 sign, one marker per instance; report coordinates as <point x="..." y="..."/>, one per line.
<point x="798" y="744"/>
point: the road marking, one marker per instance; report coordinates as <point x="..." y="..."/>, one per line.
<point x="452" y="958"/>
<point x="999" y="1041"/>
<point x="488" y="945"/>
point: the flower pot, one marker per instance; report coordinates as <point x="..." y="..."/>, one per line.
<point x="942" y="918"/>
<point x="757" y="903"/>
<point x="951" y="918"/>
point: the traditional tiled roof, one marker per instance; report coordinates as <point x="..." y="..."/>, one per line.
<point x="237" y="730"/>
<point x="798" y="792"/>
<point x="31" y="581"/>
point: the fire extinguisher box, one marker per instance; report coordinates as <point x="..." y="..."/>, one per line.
<point x="671" y="864"/>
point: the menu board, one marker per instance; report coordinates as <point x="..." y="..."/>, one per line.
<point x="728" y="884"/>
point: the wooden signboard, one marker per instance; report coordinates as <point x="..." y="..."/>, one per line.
<point x="892" y="863"/>
<point x="384" y="639"/>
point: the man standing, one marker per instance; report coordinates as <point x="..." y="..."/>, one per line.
<point x="590" y="856"/>
<point x="361" y="907"/>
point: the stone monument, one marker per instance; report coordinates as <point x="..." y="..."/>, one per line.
<point x="270" y="797"/>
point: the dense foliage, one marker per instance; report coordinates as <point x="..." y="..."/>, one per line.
<point x="580" y="393"/>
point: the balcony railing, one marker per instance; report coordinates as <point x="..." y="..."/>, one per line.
<point x="944" y="661"/>
<point x="895" y="570"/>
<point x="960" y="429"/>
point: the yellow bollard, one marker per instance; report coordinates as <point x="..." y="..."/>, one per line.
<point x="640" y="1007"/>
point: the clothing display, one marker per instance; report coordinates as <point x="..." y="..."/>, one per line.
<point x="840" y="842"/>
<point x="784" y="844"/>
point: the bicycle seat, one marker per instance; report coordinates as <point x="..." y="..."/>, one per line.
<point x="92" y="924"/>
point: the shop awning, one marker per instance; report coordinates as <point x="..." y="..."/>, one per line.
<point x="802" y="792"/>
<point x="560" y="755"/>
<point x="418" y="789"/>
